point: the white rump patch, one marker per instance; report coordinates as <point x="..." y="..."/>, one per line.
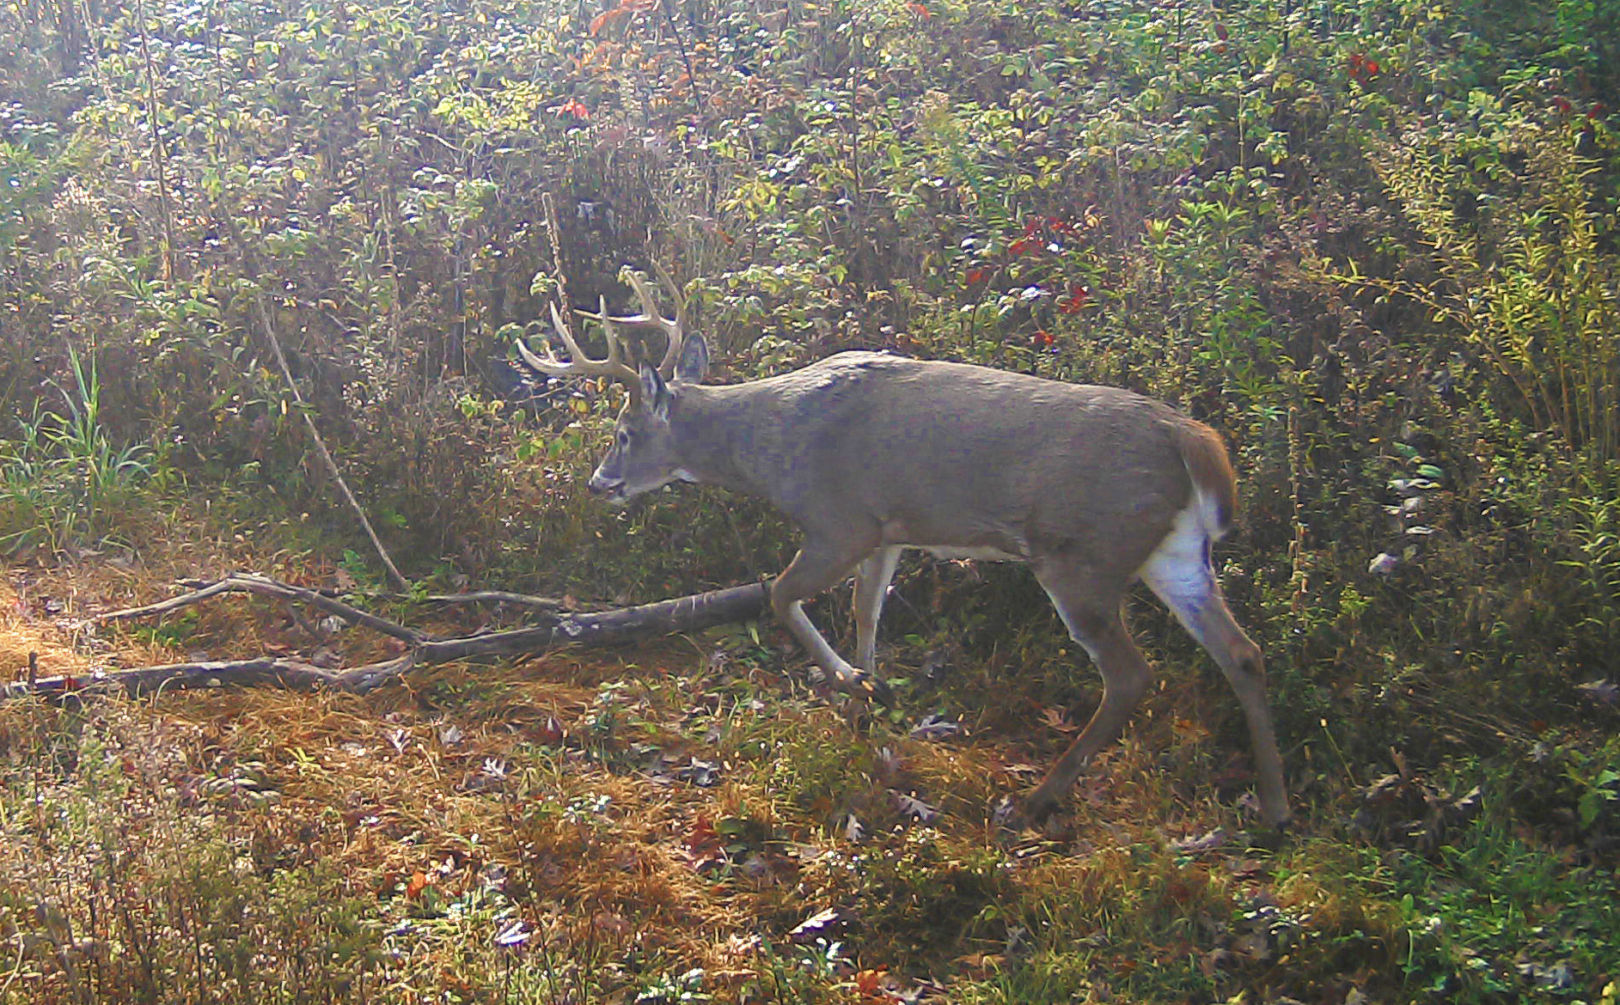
<point x="1179" y="569"/>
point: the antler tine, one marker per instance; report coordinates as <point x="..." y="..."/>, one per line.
<point x="581" y="365"/>
<point x="676" y="330"/>
<point x="615" y="356"/>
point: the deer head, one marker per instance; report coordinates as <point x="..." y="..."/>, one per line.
<point x="644" y="455"/>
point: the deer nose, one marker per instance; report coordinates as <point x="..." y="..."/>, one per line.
<point x="602" y="485"/>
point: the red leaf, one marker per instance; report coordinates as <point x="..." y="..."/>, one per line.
<point x="550" y="732"/>
<point x="875" y="987"/>
<point x="1075" y="301"/>
<point x="919" y="10"/>
<point x="418" y="883"/>
<point x="703" y="838"/>
<point x="1022" y="245"/>
<point x="973" y="276"/>
<point x="703" y="846"/>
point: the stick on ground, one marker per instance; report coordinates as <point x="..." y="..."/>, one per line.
<point x="555" y="629"/>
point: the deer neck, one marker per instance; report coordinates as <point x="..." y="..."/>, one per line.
<point x="725" y="436"/>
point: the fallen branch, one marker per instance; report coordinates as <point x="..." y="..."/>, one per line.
<point x="499" y="597"/>
<point x="558" y="630"/>
<point x="248" y="582"/>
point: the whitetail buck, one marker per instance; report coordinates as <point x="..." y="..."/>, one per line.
<point x="1093" y="487"/>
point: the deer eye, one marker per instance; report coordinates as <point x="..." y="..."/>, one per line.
<point x="624" y="439"/>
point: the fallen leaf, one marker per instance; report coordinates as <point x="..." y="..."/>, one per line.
<point x="1058" y="719"/>
<point x="513" y="934"/>
<point x="703" y="774"/>
<point x="704" y="849"/>
<point x="1189" y="731"/>
<point x="1383" y="564"/>
<point x="911" y="806"/>
<point x="417" y="884"/>
<point x="888" y="762"/>
<point x="1207" y="842"/>
<point x="611" y="922"/>
<point x="935" y="727"/>
<point x="1601" y="691"/>
<point x="822" y="922"/>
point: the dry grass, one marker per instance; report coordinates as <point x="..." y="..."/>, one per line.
<point x="585" y="827"/>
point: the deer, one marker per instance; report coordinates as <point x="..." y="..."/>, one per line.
<point x="1093" y="487"/>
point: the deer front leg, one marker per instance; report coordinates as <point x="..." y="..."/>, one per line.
<point x="819" y="566"/>
<point x="872" y="578"/>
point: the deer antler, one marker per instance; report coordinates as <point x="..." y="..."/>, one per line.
<point x="674" y="329"/>
<point x="581" y="365"/>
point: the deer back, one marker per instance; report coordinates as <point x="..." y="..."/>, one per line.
<point x="956" y="458"/>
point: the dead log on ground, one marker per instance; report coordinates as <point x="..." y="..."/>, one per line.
<point x="553" y="629"/>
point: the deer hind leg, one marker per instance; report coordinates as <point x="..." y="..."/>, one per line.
<point x="819" y="566"/>
<point x="1095" y="620"/>
<point x="872" y="578"/>
<point x="1180" y="573"/>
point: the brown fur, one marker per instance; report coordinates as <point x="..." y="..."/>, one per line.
<point x="1210" y="467"/>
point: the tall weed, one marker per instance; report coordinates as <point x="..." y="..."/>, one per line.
<point x="63" y="480"/>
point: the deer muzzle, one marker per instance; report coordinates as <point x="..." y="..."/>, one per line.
<point x="603" y="485"/>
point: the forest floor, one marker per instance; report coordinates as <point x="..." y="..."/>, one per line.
<point x="693" y="821"/>
<point x="684" y="818"/>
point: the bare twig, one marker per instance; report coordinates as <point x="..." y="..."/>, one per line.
<point x="691" y="74"/>
<point x="499" y="597"/>
<point x="247" y="582"/>
<point x="251" y="267"/>
<point x="548" y="205"/>
<point x="394" y="577"/>
<point x="159" y="156"/>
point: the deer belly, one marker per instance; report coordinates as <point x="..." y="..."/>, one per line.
<point x="984" y="546"/>
<point x="981" y="554"/>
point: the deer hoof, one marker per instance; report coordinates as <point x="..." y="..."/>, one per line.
<point x="1034" y="810"/>
<point x="874" y="688"/>
<point x="1271" y="837"/>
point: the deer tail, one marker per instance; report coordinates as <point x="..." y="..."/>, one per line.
<point x="1214" y="482"/>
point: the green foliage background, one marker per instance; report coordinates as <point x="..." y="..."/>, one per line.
<point x="1374" y="243"/>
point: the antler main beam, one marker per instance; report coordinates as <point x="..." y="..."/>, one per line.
<point x="674" y="329"/>
<point x="579" y="364"/>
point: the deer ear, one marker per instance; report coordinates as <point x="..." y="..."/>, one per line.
<point x="654" y="391"/>
<point x="694" y="362"/>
